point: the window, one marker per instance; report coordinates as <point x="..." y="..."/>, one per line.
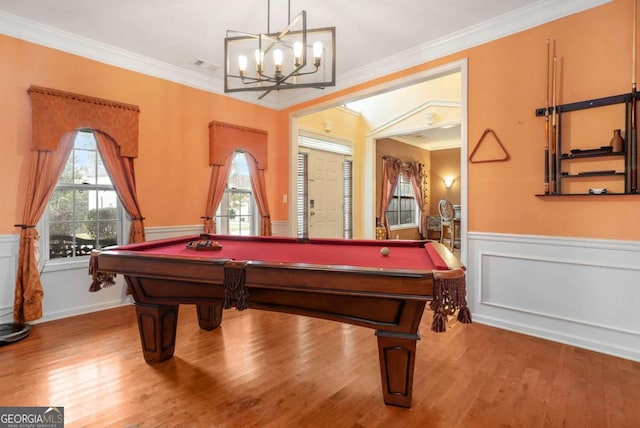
<point x="84" y="211"/>
<point x="402" y="209"/>
<point x="237" y="212"/>
<point x="347" y="171"/>
<point x="303" y="195"/>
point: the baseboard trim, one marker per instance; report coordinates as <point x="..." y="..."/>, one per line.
<point x="583" y="342"/>
<point x="82" y="310"/>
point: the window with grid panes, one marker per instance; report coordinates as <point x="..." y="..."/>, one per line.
<point x="84" y="210"/>
<point x="237" y="212"/>
<point x="402" y="209"/>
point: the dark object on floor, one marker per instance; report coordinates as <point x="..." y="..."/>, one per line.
<point x="12" y="332"/>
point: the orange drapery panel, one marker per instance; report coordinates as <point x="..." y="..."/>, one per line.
<point x="46" y="167"/>
<point x="56" y="112"/>
<point x="217" y="185"/>
<point x="122" y="176"/>
<point x="259" y="186"/>
<point x="225" y="139"/>
<point x="390" y="172"/>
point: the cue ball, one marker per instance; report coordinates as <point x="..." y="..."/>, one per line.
<point x="384" y="251"/>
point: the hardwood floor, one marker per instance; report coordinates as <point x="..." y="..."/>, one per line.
<point x="263" y="369"/>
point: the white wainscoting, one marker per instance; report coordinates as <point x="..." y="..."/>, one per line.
<point x="153" y="233"/>
<point x="280" y="228"/>
<point x="66" y="285"/>
<point x="583" y="292"/>
<point x="9" y="245"/>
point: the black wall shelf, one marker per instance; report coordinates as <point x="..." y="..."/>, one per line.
<point x="583" y="156"/>
<point x="626" y="169"/>
<point x="581" y="105"/>
<point x="589" y="195"/>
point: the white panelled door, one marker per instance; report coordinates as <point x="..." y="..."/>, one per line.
<point x="325" y="194"/>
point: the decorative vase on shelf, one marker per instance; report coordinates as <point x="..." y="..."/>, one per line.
<point x="617" y="142"/>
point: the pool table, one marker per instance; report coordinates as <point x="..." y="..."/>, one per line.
<point x="342" y="280"/>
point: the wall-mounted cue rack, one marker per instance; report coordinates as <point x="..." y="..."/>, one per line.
<point x="558" y="164"/>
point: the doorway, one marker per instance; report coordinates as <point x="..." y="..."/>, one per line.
<point x="364" y="160"/>
<point x="325" y="185"/>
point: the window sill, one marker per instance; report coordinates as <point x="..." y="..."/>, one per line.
<point x="62" y="265"/>
<point x="403" y="227"/>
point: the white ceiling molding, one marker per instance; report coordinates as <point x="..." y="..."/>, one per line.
<point x="441" y="144"/>
<point x="501" y="26"/>
<point x="385" y="129"/>
<point x="413" y="127"/>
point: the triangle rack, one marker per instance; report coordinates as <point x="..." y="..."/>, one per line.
<point x="495" y="136"/>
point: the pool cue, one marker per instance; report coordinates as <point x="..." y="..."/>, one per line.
<point x="633" y="149"/>
<point x="547" y="134"/>
<point x="556" y="128"/>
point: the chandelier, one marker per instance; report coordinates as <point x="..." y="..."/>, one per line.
<point x="296" y="57"/>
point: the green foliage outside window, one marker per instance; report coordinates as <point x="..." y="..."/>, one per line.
<point x="83" y="210"/>
<point x="236" y="213"/>
<point x="103" y="225"/>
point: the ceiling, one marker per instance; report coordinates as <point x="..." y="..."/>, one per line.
<point x="374" y="37"/>
<point x="427" y="114"/>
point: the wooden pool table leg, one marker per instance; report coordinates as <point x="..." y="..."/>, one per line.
<point x="209" y="316"/>
<point x="397" y="361"/>
<point x="157" y="324"/>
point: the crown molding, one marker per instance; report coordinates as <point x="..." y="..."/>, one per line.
<point x="519" y="20"/>
<point x="378" y="131"/>
<point x="513" y="22"/>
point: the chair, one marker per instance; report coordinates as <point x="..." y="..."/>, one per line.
<point x="447" y="222"/>
<point x="432" y="226"/>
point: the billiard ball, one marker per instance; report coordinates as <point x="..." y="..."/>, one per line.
<point x="384" y="251"/>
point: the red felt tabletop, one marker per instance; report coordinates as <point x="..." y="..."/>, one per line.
<point x="402" y="255"/>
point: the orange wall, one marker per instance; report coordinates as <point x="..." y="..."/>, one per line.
<point x="172" y="171"/>
<point x="444" y="163"/>
<point x="506" y="83"/>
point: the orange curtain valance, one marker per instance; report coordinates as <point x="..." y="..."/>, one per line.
<point x="224" y="139"/>
<point x="55" y="113"/>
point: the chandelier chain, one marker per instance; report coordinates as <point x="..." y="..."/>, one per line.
<point x="269" y="14"/>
